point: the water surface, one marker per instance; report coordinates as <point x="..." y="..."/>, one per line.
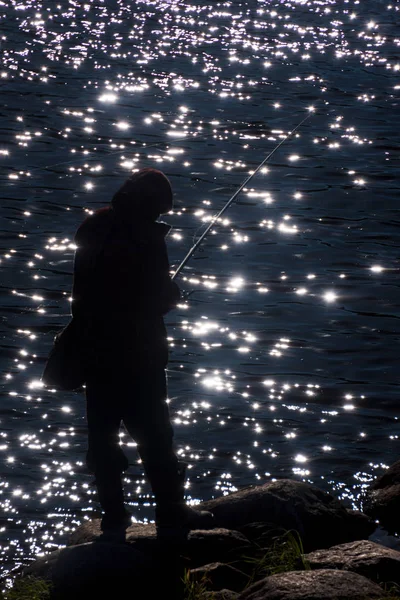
<point x="284" y="355"/>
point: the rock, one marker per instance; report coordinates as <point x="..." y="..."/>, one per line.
<point x="363" y="557"/>
<point x="221" y="595"/>
<point x="89" y="531"/>
<point x="390" y="477"/>
<point x="325" y="584"/>
<point x="215" y="545"/>
<point x="382" y="500"/>
<point x="142" y="537"/>
<point x="260" y="533"/>
<point x="86" y="570"/>
<point x="383" y="505"/>
<point x="219" y="576"/>
<point x="200" y="548"/>
<point x="320" y="519"/>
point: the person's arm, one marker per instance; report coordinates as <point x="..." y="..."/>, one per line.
<point x="160" y="293"/>
<point x="171" y="293"/>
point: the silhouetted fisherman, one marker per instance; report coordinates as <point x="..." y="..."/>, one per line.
<point x="122" y="288"/>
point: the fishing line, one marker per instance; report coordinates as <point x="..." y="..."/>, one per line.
<point x="235" y="195"/>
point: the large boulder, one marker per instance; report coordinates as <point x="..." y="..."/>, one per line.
<point x="382" y="499"/>
<point x="363" y="557"/>
<point x="200" y="547"/>
<point x="320" y="519"/>
<point x="92" y="569"/>
<point x="325" y="584"/>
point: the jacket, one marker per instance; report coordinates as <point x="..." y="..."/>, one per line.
<point x="122" y="288"/>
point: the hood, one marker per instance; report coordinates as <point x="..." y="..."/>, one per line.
<point x="145" y="195"/>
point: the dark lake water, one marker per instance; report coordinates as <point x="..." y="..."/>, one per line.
<point x="284" y="359"/>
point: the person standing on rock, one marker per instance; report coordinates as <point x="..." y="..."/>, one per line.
<point x="121" y="291"/>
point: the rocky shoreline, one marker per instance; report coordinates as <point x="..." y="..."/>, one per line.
<point x="283" y="540"/>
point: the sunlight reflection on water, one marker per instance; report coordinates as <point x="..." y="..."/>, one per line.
<point x="281" y="355"/>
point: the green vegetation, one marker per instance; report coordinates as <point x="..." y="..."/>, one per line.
<point x="391" y="591"/>
<point x="28" y="588"/>
<point x="285" y="554"/>
<point x="194" y="590"/>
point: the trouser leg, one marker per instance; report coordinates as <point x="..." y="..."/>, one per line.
<point x="151" y="427"/>
<point x="148" y="422"/>
<point x="105" y="458"/>
<point x="146" y="417"/>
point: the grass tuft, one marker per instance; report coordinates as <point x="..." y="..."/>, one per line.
<point x="194" y="590"/>
<point x="28" y="588"/>
<point x="391" y="591"/>
<point x="285" y="554"/>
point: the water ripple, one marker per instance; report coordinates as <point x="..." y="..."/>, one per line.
<point x="282" y="358"/>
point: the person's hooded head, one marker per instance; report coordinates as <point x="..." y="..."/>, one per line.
<point x="146" y="195"/>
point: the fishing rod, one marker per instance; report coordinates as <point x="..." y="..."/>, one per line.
<point x="235" y="195"/>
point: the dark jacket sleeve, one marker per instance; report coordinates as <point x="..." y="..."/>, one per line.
<point x="161" y="294"/>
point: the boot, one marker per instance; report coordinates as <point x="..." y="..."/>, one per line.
<point x="116" y="518"/>
<point x="172" y="512"/>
